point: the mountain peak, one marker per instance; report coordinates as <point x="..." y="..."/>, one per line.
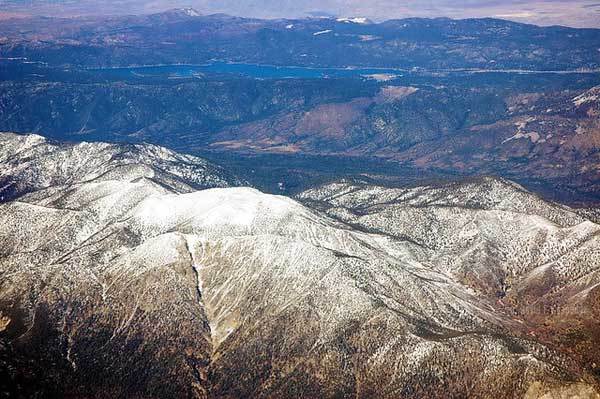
<point x="190" y="12"/>
<point x="355" y="20"/>
<point x="184" y="11"/>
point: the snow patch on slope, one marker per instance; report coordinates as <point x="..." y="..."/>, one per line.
<point x="355" y="20"/>
<point x="589" y="96"/>
<point x="190" y="12"/>
<point x="235" y="207"/>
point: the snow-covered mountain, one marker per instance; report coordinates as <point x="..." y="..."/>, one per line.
<point x="534" y="260"/>
<point x="134" y="271"/>
<point x="31" y="162"/>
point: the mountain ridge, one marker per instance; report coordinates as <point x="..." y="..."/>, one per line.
<point x="122" y="283"/>
<point x="424" y="43"/>
<point x="32" y="161"/>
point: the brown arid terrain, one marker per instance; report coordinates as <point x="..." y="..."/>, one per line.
<point x="552" y="137"/>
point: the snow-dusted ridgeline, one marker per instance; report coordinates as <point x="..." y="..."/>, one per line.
<point x="142" y="267"/>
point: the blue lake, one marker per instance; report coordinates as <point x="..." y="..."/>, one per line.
<point x="281" y="72"/>
<point x="28" y="71"/>
<point x="250" y="70"/>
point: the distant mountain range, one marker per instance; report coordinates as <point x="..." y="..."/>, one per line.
<point x="134" y="271"/>
<point x="576" y="13"/>
<point x="541" y="131"/>
<point x="183" y="36"/>
<point x="437" y="112"/>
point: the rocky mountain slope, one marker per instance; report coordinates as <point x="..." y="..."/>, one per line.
<point x="545" y="135"/>
<point x="535" y="260"/>
<point x="118" y="278"/>
<point x="32" y="163"/>
<point x="552" y="137"/>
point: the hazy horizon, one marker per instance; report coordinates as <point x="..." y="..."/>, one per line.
<point x="578" y="13"/>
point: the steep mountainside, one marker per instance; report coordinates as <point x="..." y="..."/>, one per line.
<point x="535" y="260"/>
<point x="549" y="137"/>
<point x="32" y="163"/>
<point x="544" y="137"/>
<point x="133" y="284"/>
<point x="176" y="113"/>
